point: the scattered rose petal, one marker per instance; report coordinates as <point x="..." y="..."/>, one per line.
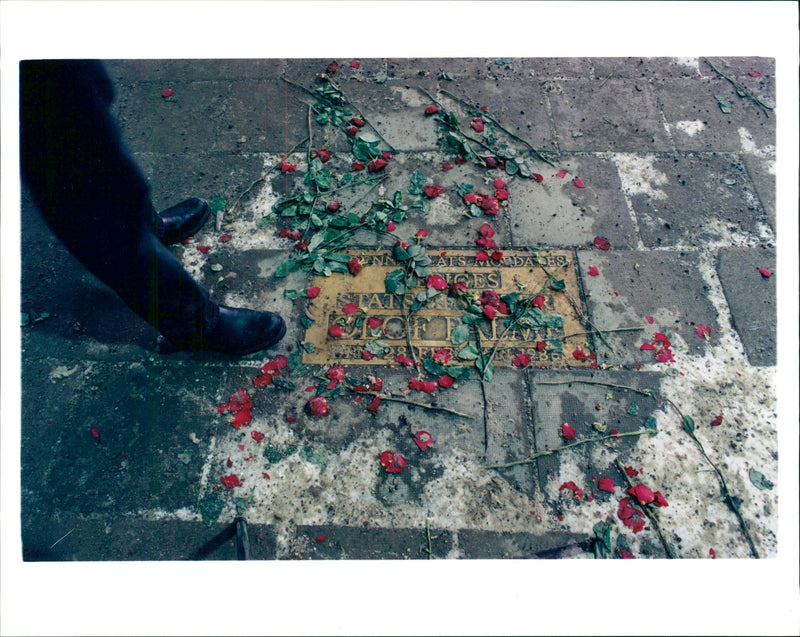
<point x="660" y="500"/>
<point x="167" y="93"/>
<point x="578" y="182"/>
<point x="765" y="273"/>
<point x="602" y="243"/>
<point x="578" y="354"/>
<point x="537" y="177"/>
<point x="374" y="404"/>
<point x="313" y="292"/>
<point x="332" y="68"/>
<point x="650" y="319"/>
<point x="625" y="555"/>
<point x="391" y="227"/>
<point x="333" y="206"/>
<point x="423" y="440"/>
<point x="367" y="356"/>
<point x="374" y="322"/>
<point x="717" y="421"/>
<point x="225" y="238"/>
<point x="631" y="516"/>
<point x="357" y="121"/>
<point x="203" y="248"/>
<point x="376" y="164"/>
<point x="541" y="346"/>
<point x="446" y="381"/>
<point x="428" y="386"/>
<point x="712" y="553"/>
<point x="286" y="167"/>
<point x="642" y="493"/>
<point x="257" y="436"/>
<point x="647" y="346"/>
<point x="497" y="255"/>
<point x="447" y="166"/>
<point x="357" y="165"/>
<point x="318" y="406"/>
<point x="393" y="463"/>
<point x="476" y="124"/>
<point x="431" y="109"/>
<point x="501" y="194"/>
<point x="593" y="271"/>
<point x="433" y="191"/>
<point x="442" y="356"/>
<point x="754" y="73"/>
<point x="336" y="331"/>
<point x="96" y="434"/>
<point x="521" y="360"/>
<point x="486" y="231"/>
<point x="562" y="173"/>
<point x="606" y="484"/>
<point x="404" y="360"/>
<point x="231" y="481"/>
<point x="350" y="308"/>
<point x="568" y="431"/>
<point x="538" y="301"/>
<point x="323" y="155"/>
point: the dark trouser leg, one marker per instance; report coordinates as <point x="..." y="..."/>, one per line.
<point x="96" y="200"/>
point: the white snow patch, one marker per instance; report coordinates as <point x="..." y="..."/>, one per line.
<point x="639" y="176"/>
<point x="765" y="152"/>
<point x="692" y="63"/>
<point x="689" y="127"/>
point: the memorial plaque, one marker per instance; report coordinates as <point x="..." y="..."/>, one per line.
<point x="432" y="325"/>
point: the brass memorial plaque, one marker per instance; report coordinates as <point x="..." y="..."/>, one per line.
<point x="431" y="326"/>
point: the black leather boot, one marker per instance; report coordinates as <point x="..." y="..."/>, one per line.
<point x="240" y="331"/>
<point x="181" y="221"/>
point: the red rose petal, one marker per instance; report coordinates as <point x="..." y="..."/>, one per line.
<point x="257" y="436"/>
<point x="537" y="177"/>
<point x="562" y="173"/>
<point x="765" y="273"/>
<point x="336" y="331"/>
<point x="350" y="308"/>
<point x="521" y="360"/>
<point x="650" y="319"/>
<point x="606" y="484"/>
<point x="602" y="243"/>
<point x="203" y="248"/>
<point x="374" y="404"/>
<point x="568" y="431"/>
<point x="225" y="238"/>
<point x="404" y="360"/>
<point x="578" y="182"/>
<point x="446" y="381"/>
<point x="167" y="93"/>
<point x="717" y="421"/>
<point x="318" y="406"/>
<point x="96" y="434"/>
<point x="642" y="493"/>
<point x="593" y="271"/>
<point x="313" y="292"/>
<point x="231" y="481"/>
<point x="431" y="109"/>
<point x="423" y="440"/>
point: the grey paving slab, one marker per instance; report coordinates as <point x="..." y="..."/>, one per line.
<point x="144" y="414"/>
<point x="701" y="199"/>
<point x="696" y="121"/>
<point x="175" y="177"/>
<point x="369" y="543"/>
<point x="489" y="545"/>
<point x="168" y="71"/>
<point x="644" y="68"/>
<point x="187" y="122"/>
<point x="752" y="300"/>
<point x="554" y="212"/>
<point x="615" y="116"/>
<point x="70" y="538"/>
<point x="593" y="410"/>
<point x="761" y="170"/>
<point x="667" y="286"/>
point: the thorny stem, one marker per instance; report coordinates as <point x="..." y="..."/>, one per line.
<point x="483" y="391"/>
<point x="741" y="90"/>
<point x="501" y="127"/>
<point x="724" y="485"/>
<point x="644" y="392"/>
<point x="653" y="519"/>
<point x="533" y="458"/>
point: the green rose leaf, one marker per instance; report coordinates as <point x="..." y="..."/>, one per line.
<point x="759" y="480"/>
<point x="460" y="334"/>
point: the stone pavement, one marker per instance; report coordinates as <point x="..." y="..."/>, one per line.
<point x="654" y="178"/>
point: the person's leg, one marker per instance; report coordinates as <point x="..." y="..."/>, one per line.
<point x="97" y="202"/>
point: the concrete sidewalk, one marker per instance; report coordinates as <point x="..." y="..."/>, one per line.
<point x="655" y="179"/>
